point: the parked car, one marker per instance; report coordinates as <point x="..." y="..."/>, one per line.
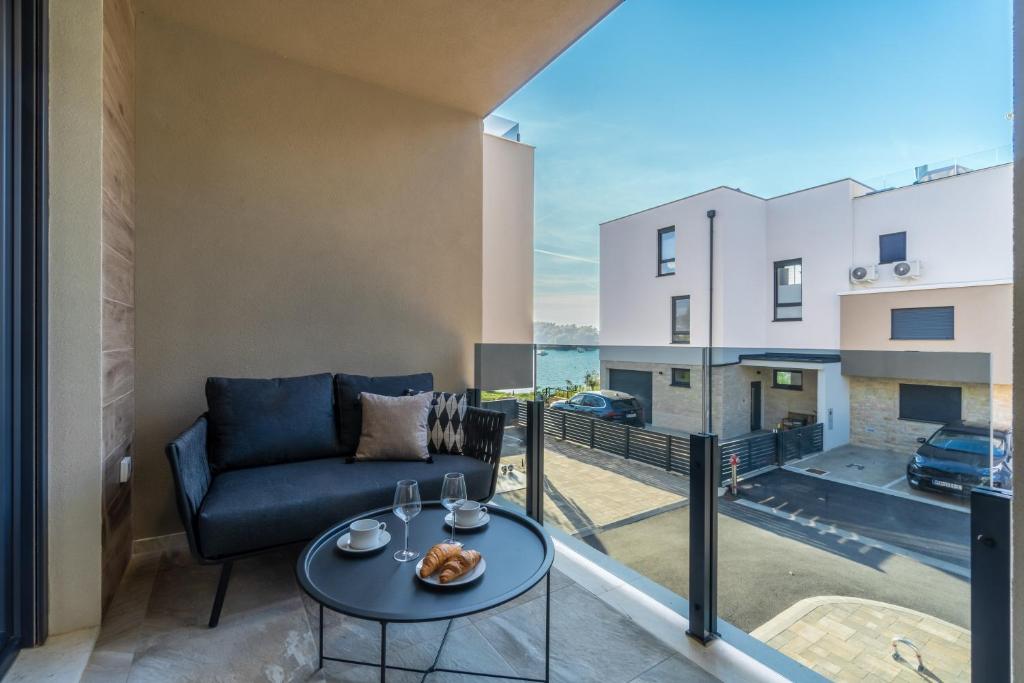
<point x="957" y="458"/>
<point x="613" y="406"/>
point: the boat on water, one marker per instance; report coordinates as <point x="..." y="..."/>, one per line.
<point x="541" y="352"/>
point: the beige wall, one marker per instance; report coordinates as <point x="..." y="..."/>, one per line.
<point x="507" y="241"/>
<point x="74" y="423"/>
<point x="980" y="322"/>
<point x="118" y="283"/>
<point x="875" y="409"/>
<point x="290" y="220"/>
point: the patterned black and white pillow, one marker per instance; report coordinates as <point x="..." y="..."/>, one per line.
<point x="444" y="423"/>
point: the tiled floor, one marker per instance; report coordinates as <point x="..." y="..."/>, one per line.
<point x="155" y="631"/>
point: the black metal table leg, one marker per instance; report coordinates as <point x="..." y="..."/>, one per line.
<point x="383" y="650"/>
<point x="547" y="630"/>
<point x="321" y="638"/>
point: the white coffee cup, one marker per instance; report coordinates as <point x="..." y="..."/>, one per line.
<point x="471" y="512"/>
<point x="365" y="533"/>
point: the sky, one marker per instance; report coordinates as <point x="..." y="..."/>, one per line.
<point x="665" y="98"/>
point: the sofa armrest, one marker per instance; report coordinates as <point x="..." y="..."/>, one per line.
<point x="485" y="430"/>
<point x="191" y="472"/>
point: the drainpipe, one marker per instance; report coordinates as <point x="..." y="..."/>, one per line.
<point x="711" y="321"/>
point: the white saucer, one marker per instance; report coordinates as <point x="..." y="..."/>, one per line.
<point x="450" y="517"/>
<point x="470" y="576"/>
<point x="343" y="545"/>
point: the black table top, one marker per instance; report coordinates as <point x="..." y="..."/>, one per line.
<point x="375" y="586"/>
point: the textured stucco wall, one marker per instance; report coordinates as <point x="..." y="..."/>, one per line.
<point x="290" y="220"/>
<point x="507" y="241"/>
<point x="875" y="409"/>
<point x="75" y="423"/>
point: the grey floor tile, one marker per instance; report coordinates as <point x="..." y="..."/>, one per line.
<point x="676" y="669"/>
<point x="589" y="640"/>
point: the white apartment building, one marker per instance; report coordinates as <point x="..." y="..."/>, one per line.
<point x="810" y="301"/>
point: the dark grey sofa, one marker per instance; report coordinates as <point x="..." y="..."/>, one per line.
<point x="270" y="463"/>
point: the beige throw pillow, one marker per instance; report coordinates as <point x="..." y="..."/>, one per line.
<point x="394" y="427"/>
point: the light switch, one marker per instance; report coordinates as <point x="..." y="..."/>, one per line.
<point x="126" y="469"/>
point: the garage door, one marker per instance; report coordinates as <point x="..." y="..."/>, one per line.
<point x="637" y="383"/>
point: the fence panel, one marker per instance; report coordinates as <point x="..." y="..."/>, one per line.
<point x="754" y="452"/>
<point x="796" y="443"/>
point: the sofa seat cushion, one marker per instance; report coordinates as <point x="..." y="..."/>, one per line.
<point x="257" y="422"/>
<point x="261" y="507"/>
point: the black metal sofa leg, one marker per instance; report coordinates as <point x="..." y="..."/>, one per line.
<point x="222" y="588"/>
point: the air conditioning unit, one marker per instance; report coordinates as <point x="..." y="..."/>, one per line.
<point x="863" y="274"/>
<point x="907" y="270"/>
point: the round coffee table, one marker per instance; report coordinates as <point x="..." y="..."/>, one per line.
<point x="376" y="587"/>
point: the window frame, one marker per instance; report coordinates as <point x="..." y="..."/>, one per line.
<point x="881" y="260"/>
<point x="778" y="265"/>
<point x="672" y="314"/>
<point x="684" y="384"/>
<point x="787" y="387"/>
<point x="892" y="323"/>
<point x="899" y="403"/>
<point x="661" y="259"/>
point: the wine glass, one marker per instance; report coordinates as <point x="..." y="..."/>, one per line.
<point x="407" y="505"/>
<point x="453" y="497"/>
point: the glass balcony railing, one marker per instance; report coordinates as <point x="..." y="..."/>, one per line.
<point x="841" y="486"/>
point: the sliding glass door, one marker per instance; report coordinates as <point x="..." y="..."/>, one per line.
<point x="22" y="326"/>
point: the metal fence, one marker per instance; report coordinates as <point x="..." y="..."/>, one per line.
<point x="671" y="452"/>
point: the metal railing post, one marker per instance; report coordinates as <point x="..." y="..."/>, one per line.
<point x="592" y="421"/>
<point x="668" y="453"/>
<point x="535" y="460"/>
<point x="990" y="585"/>
<point x="627" y="442"/>
<point x="473" y="397"/>
<point x="705" y="474"/>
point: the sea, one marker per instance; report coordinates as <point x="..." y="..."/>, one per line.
<point x="561" y="365"/>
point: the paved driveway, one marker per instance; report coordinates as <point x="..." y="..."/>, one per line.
<point x="884" y="470"/>
<point x="938" y="532"/>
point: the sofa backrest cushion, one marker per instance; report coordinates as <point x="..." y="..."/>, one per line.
<point x="256" y="422"/>
<point x="347" y="389"/>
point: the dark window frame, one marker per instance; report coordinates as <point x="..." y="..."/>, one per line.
<point x="672" y="313"/>
<point x="662" y="261"/>
<point x="778" y="265"/>
<point x="684" y="384"/>
<point x="787" y="387"/>
<point x="881" y="247"/>
<point x="928" y="419"/>
<point x="892" y="323"/>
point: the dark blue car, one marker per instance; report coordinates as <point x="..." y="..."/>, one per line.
<point x="614" y="406"/>
<point x="961" y="456"/>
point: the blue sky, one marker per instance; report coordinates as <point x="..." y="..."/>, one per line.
<point x="665" y="98"/>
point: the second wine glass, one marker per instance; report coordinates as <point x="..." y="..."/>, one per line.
<point x="407" y="505"/>
<point x="453" y="497"/>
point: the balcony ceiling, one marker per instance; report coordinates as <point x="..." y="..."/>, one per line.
<point x="467" y="54"/>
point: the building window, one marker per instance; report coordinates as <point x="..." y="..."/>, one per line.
<point x="935" y="322"/>
<point x="666" y="251"/>
<point x="681" y="377"/>
<point x="926" y="403"/>
<point x="892" y="247"/>
<point x="681" y="320"/>
<point x="789" y="289"/>
<point x="788" y="379"/>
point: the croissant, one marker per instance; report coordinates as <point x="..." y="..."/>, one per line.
<point x="437" y="556"/>
<point x="459" y="565"/>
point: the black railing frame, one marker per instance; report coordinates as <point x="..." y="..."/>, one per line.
<point x="535" y="460"/>
<point x="990" y="577"/>
<point x="705" y="474"/>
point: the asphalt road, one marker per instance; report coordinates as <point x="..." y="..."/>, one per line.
<point x="768" y="563"/>
<point x="918" y="527"/>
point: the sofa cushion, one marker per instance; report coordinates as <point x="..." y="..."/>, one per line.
<point x="347" y="389"/>
<point x="255" y="422"/>
<point x="252" y="509"/>
<point x="394" y="427"/>
<point x="444" y="422"/>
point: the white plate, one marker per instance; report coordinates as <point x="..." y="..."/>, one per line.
<point x="449" y="518"/>
<point x="470" y="576"/>
<point x="343" y="545"/>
